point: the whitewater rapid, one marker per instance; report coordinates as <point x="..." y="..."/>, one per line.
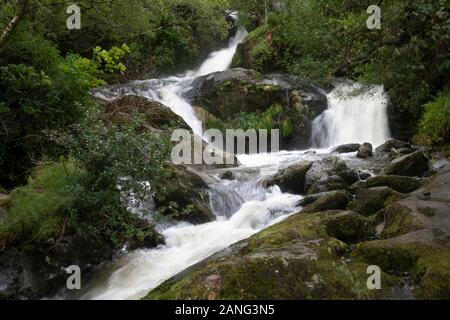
<point x="355" y="115"/>
<point x="242" y="207"/>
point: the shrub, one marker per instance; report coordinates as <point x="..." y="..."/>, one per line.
<point x="39" y="209"/>
<point x="41" y="92"/>
<point x="435" y="123"/>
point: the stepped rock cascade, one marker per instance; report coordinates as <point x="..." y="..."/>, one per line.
<point x="242" y="206"/>
<point x="352" y="118"/>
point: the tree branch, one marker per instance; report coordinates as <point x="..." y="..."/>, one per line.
<point x="19" y="11"/>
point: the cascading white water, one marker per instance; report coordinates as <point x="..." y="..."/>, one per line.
<point x="352" y="118"/>
<point x="136" y="273"/>
<point x="242" y="207"/>
<point x="171" y="95"/>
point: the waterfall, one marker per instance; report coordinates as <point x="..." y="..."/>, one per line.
<point x="171" y="95"/>
<point x="242" y="207"/>
<point x="354" y="115"/>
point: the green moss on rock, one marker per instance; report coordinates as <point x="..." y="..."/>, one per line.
<point x="397" y="183"/>
<point x="335" y="200"/>
<point x="370" y="201"/>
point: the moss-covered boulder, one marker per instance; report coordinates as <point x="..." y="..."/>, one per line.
<point x="413" y="165"/>
<point x="347" y="148"/>
<point x="292" y="178"/>
<point x="349" y="227"/>
<point x="327" y="167"/>
<point x="154" y="115"/>
<point x="365" y="151"/>
<point x="295" y="259"/>
<point x="397" y="183"/>
<point x="415" y="239"/>
<point x="326" y="184"/>
<point x="370" y="201"/>
<point x="392" y="144"/>
<point x="184" y="196"/>
<point x="326" y="255"/>
<point x="256" y="52"/>
<point x="245" y="99"/>
<point x="335" y="200"/>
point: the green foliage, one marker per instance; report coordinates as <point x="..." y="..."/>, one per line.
<point x="102" y="64"/>
<point x="274" y="117"/>
<point x="45" y="94"/>
<point x="321" y="39"/>
<point x="109" y="61"/>
<point x="109" y="152"/>
<point x="164" y="35"/>
<point x="435" y="123"/>
<point x="39" y="209"/>
<point x="59" y="201"/>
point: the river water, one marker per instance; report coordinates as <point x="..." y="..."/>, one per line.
<point x="242" y="207"/>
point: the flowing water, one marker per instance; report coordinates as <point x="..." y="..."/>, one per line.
<point x="354" y="115"/>
<point x="242" y="207"/>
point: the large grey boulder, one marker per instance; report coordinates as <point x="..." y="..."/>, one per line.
<point x="292" y="178"/>
<point x="365" y="151"/>
<point x="347" y="148"/>
<point x="413" y="165"/>
<point x="327" y="167"/>
<point x="390" y="144"/>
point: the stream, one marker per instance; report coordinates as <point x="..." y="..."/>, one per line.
<point x="242" y="207"/>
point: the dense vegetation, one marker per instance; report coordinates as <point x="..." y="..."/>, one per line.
<point x="320" y="40"/>
<point x="68" y="168"/>
<point x="71" y="166"/>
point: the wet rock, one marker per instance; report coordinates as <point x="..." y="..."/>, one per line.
<point x="388" y="145"/>
<point x="349" y="227"/>
<point x="335" y="200"/>
<point x="398" y="183"/>
<point x="225" y="95"/>
<point x="326" y="184"/>
<point x="370" y="201"/>
<point x="227" y="175"/>
<point x="145" y="242"/>
<point x="415" y="239"/>
<point x="4" y="200"/>
<point x="296" y="259"/>
<point x="37" y="271"/>
<point x="157" y="117"/>
<point x="303" y="256"/>
<point x="330" y="166"/>
<point x="365" y="151"/>
<point x="364" y="175"/>
<point x="347" y="148"/>
<point x="185" y="196"/>
<point x="292" y="178"/>
<point x="413" y="165"/>
<point x="401" y="151"/>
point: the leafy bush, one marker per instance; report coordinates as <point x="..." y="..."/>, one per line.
<point x="274" y="117"/>
<point x="109" y="152"/>
<point x="435" y="123"/>
<point x="164" y="35"/>
<point x="39" y="209"/>
<point x="58" y="201"/>
<point x="102" y="64"/>
<point x="321" y="39"/>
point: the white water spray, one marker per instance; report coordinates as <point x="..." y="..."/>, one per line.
<point x="352" y="118"/>
<point x="134" y="274"/>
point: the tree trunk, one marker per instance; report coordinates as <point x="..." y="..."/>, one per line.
<point x="19" y="12"/>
